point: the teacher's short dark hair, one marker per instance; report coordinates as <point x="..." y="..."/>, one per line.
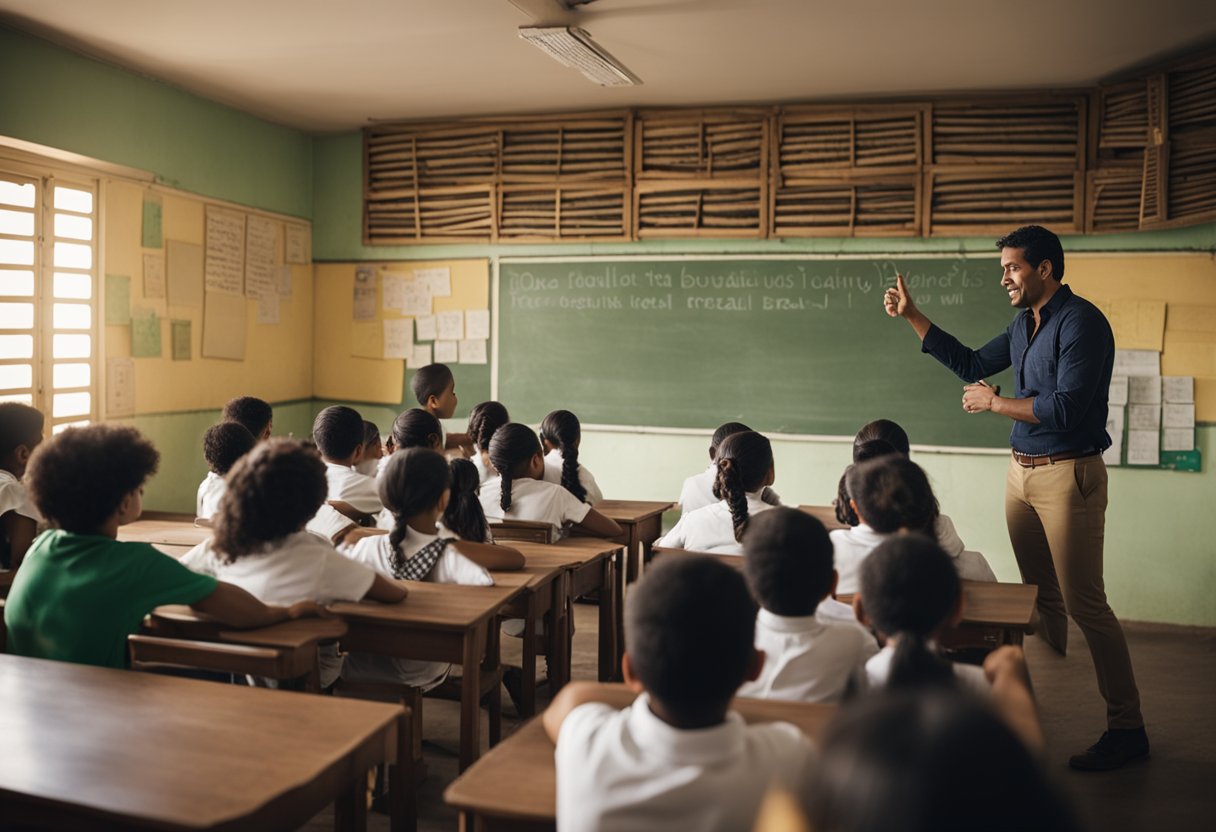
<point x="1037" y="244"/>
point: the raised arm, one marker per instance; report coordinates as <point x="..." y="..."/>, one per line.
<point x="598" y="525"/>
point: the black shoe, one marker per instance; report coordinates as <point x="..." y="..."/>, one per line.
<point x="1116" y="748"/>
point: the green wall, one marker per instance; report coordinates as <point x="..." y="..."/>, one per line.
<point x="58" y="98"/>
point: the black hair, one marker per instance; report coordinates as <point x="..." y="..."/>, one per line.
<point x="484" y="419"/>
<point x="224" y="444"/>
<point x="862" y="450"/>
<point x="930" y="761"/>
<point x="721" y="433"/>
<point x="20" y="424"/>
<point x="412" y="482"/>
<point x="338" y="431"/>
<point x="562" y="430"/>
<point x="893" y="493"/>
<point x="510" y="449"/>
<point x="464" y="515"/>
<point x="272" y="492"/>
<point x="416" y="428"/>
<point x="883" y="429"/>
<point x="788" y="561"/>
<point x="79" y="478"/>
<point x="1037" y="244"/>
<point x="255" y="414"/>
<point x="430" y="380"/>
<point x="689" y="632"/>
<point x="909" y="588"/>
<point x="371" y="433"/>
<point x="743" y="461"/>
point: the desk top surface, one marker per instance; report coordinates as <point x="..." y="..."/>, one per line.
<point x="516" y="778"/>
<point x="176" y="532"/>
<point x="631" y="511"/>
<point x="158" y="750"/>
<point x="825" y="515"/>
<point x="432" y="606"/>
<point x="177" y="621"/>
<point x="990" y="602"/>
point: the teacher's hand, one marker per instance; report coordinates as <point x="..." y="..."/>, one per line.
<point x="898" y="301"/>
<point x="979" y="397"/>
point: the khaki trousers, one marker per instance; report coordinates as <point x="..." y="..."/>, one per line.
<point x="1057" y="519"/>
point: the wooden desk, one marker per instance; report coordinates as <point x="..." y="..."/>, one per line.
<point x="733" y="561"/>
<point x="543" y="597"/>
<point x="825" y="515"/>
<point x="514" y="786"/>
<point x="97" y="748"/>
<point x="172" y="532"/>
<point x="642" y="521"/>
<point x="440" y="623"/>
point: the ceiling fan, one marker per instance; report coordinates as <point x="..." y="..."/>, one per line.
<point x="555" y="32"/>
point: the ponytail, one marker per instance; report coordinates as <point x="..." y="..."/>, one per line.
<point x="843" y="508"/>
<point x="727" y="486"/>
<point x="743" y="462"/>
<point x="561" y="429"/>
<point x="511" y="447"/>
<point x="916" y="665"/>
<point x="464" y="515"/>
<point x="413" y="481"/>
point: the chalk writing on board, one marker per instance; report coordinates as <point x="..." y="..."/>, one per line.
<point x="224" y="267"/>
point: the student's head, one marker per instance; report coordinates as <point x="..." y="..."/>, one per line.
<point x="338" y="432"/>
<point x="788" y="561"/>
<point x="435" y="389"/>
<point x="883" y="429"/>
<point x="373" y="450"/>
<point x="20" y="433"/>
<point x="689" y="630"/>
<point x="255" y="414"/>
<point x="910" y="591"/>
<point x="484" y="419"/>
<point x="414" y="485"/>
<point x="417" y="428"/>
<point x="868" y="449"/>
<point x="892" y="493"/>
<point x="561" y="431"/>
<point x="721" y="433"/>
<point x="464" y="515"/>
<point x="929" y="761"/>
<point x="745" y="464"/>
<point x="224" y="444"/>
<point x="272" y="492"/>
<point x="84" y="477"/>
<point x="515" y="453"/>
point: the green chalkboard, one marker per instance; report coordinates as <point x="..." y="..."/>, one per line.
<point x="786" y="345"/>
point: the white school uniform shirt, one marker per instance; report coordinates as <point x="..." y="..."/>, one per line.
<point x="810" y="658"/>
<point x="698" y="491"/>
<point x="210" y="490"/>
<point x="348" y="485"/>
<point x="483" y="471"/>
<point x="15" y="497"/>
<point x="711" y="528"/>
<point x="535" y="500"/>
<point x="970" y="677"/>
<point x="851" y="547"/>
<point x="327" y="522"/>
<point x="553" y="473"/>
<point x="628" y="770"/>
<point x="451" y="568"/>
<point x="300" y="567"/>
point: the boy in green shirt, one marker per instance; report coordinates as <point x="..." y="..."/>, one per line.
<point x="81" y="592"/>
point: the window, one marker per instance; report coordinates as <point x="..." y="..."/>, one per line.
<point x="48" y="294"/>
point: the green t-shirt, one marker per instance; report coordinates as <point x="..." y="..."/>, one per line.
<point x="77" y="597"/>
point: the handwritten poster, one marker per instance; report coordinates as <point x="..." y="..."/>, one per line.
<point x="451" y="325"/>
<point x="224" y="268"/>
<point x="426" y="328"/>
<point x="154" y="276"/>
<point x="152" y="236"/>
<point x="365" y="295"/>
<point x="297" y="244"/>
<point x="477" y="323"/>
<point x="439" y="279"/>
<point x="398" y="338"/>
<point x="261" y="251"/>
<point x="392" y="286"/>
<point x="473" y="351"/>
<point x="417" y="300"/>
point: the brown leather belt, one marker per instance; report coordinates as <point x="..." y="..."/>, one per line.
<point x="1050" y="459"/>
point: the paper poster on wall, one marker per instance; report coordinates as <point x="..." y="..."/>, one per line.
<point x="1114" y="428"/>
<point x="118" y="299"/>
<point x="120" y="387"/>
<point x="261" y="255"/>
<point x="425" y="328"/>
<point x="417" y="299"/>
<point x="1143" y="447"/>
<point x="439" y="279"/>
<point x="1178" y="389"/>
<point x="1144" y="417"/>
<point x="145" y="334"/>
<point x="392" y="287"/>
<point x="179" y="335"/>
<point x="420" y="357"/>
<point x="154" y="276"/>
<point x="224" y="268"/>
<point x="365" y="295"/>
<point x="477" y="323"/>
<point x="1144" y="390"/>
<point x="473" y="351"/>
<point x="151" y="235"/>
<point x="1118" y="391"/>
<point x="398" y="338"/>
<point x="1178" y="416"/>
<point x="367" y="339"/>
<point x="1178" y="439"/>
<point x="447" y="352"/>
<point x="283" y="280"/>
<point x="224" y="326"/>
<point x="184" y="274"/>
<point x="297" y="244"/>
<point x="1137" y="363"/>
<point x="1137" y="324"/>
<point x="450" y="325"/>
<point x="268" y="308"/>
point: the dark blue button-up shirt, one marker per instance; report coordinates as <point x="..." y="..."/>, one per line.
<point x="1066" y="366"/>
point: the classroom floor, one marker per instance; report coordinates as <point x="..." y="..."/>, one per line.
<point x="1176" y="669"/>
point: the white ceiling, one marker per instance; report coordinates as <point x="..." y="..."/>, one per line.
<point x="324" y="66"/>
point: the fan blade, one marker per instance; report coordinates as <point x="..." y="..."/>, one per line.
<point x="545" y="12"/>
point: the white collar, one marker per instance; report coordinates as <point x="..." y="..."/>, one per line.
<point x="788" y="623"/>
<point x="685" y="746"/>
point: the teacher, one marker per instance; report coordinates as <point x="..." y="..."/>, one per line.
<point x="1062" y="352"/>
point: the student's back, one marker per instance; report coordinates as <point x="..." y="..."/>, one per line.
<point x="561" y="435"/>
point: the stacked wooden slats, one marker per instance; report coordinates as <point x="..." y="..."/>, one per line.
<point x="1113" y="183"/>
<point x="1156" y="155"/>
<point x="1113" y="199"/>
<point x="574" y="213"/>
<point x="1122" y="121"/>
<point x="1191" y="187"/>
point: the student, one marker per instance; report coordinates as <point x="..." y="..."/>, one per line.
<point x="678" y="758"/>
<point x="416" y="428"/>
<point x="80" y="592"/>
<point x="892" y="494"/>
<point x="519" y="492"/>
<point x="434" y="387"/>
<point x="464" y="517"/>
<point x="255" y="414"/>
<point x="415" y="489"/>
<point x="260" y="544"/>
<point x="20" y="433"/>
<point x="223" y="445"/>
<point x="698" y="490"/>
<point x="910" y="593"/>
<point x="808" y="657"/>
<point x="338" y="432"/>
<point x="869" y="449"/>
<point x="373" y="450"/>
<point x="745" y="468"/>
<point x="484" y="419"/>
<point x="560" y="435"/>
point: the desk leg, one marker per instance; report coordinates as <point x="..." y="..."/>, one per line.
<point x="470" y="696"/>
<point x="350" y="808"/>
<point x="403" y="797"/>
<point x="559" y="640"/>
<point x="527" y="686"/>
<point x="608" y="618"/>
<point x="634" y="554"/>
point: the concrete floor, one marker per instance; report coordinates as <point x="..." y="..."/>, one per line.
<point x="1175" y="791"/>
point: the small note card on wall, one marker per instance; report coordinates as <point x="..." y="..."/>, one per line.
<point x="120" y="387"/>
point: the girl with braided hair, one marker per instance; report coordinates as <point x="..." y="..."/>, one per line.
<point x="743" y="470"/>
<point x="484" y="419"/>
<point x="560" y="435"/>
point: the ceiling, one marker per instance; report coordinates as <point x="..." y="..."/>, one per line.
<point x="325" y="66"/>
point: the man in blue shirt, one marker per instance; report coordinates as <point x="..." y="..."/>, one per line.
<point x="1062" y="351"/>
